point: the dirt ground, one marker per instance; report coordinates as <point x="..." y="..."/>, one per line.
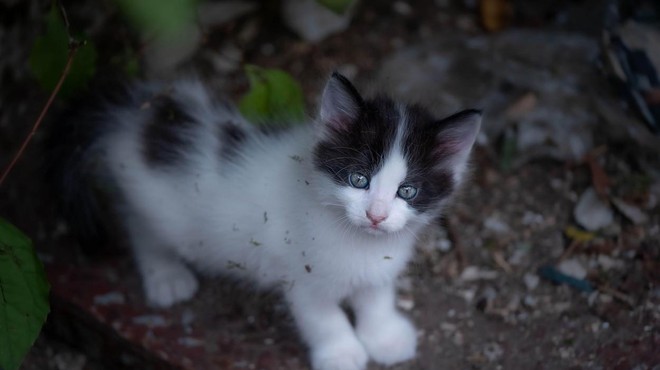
<point x="474" y="289"/>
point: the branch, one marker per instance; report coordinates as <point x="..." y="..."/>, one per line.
<point x="74" y="45"/>
<point x="73" y="48"/>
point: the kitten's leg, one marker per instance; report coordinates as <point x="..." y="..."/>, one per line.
<point x="387" y="335"/>
<point x="166" y="279"/>
<point x="327" y="331"/>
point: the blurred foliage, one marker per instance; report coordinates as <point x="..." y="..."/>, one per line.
<point x="337" y="6"/>
<point x="159" y="17"/>
<point x="50" y="53"/>
<point x="274" y="96"/>
<point x="23" y="296"/>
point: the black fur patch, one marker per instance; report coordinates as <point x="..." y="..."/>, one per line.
<point x="363" y="146"/>
<point x="230" y="136"/>
<point x="166" y="136"/>
<point x="420" y="147"/>
<point x="362" y="149"/>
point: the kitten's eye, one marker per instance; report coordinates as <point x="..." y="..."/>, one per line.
<point x="358" y="180"/>
<point x="406" y="192"/>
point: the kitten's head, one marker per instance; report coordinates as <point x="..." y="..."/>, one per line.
<point x="393" y="165"/>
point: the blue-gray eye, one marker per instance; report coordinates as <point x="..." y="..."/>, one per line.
<point x="407" y="192"/>
<point x="358" y="180"/>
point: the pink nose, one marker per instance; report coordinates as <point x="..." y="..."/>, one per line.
<point x="376" y="219"/>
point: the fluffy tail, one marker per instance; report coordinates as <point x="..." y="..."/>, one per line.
<point x="74" y="170"/>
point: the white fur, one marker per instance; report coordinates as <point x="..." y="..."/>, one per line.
<point x="270" y="216"/>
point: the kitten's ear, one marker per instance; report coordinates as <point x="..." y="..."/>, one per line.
<point x="341" y="103"/>
<point x="455" y="139"/>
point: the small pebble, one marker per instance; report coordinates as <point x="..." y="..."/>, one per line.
<point x="402" y="8"/>
<point x="109" y="298"/>
<point x="495" y="224"/>
<point x="573" y="268"/>
<point x="531" y="280"/>
<point x="591" y="212"/>
<point x="530" y="301"/>
<point x="474" y="273"/>
<point x="493" y="351"/>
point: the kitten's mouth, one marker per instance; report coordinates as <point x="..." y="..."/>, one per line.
<point x="374" y="230"/>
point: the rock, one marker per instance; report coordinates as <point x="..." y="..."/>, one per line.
<point x="531" y="281"/>
<point x="495" y="224"/>
<point x="573" y="268"/>
<point x="227" y="59"/>
<point x="312" y="21"/>
<point x="591" y="212"/>
<point x="631" y="212"/>
<point x="493" y="351"/>
<point x="530" y="301"/>
<point x="532" y="218"/>
<point x="474" y="273"/>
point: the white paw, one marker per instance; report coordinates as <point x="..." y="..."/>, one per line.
<point x="389" y="341"/>
<point x="343" y="355"/>
<point x="169" y="284"/>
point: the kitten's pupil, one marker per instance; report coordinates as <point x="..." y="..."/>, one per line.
<point x="407" y="192"/>
<point x="358" y="180"/>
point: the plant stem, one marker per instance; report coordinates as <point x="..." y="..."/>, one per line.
<point x="73" y="48"/>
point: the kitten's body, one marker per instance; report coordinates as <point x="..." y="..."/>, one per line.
<point x="200" y="187"/>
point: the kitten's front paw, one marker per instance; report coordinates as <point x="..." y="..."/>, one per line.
<point x="169" y="285"/>
<point x="390" y="341"/>
<point x="342" y="355"/>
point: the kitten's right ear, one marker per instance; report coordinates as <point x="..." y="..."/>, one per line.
<point x="341" y="103"/>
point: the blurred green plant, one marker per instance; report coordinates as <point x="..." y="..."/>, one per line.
<point x="23" y="296"/>
<point x="274" y="96"/>
<point x="50" y="54"/>
<point x="337" y="6"/>
<point x="159" y="18"/>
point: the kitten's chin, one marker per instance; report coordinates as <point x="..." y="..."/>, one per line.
<point x="377" y="230"/>
<point x="374" y="230"/>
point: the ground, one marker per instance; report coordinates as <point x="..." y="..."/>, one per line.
<point x="477" y="289"/>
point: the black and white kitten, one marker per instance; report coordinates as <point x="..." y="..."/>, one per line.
<point x="329" y="211"/>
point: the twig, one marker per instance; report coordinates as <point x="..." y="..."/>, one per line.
<point x="501" y="262"/>
<point x="617" y="294"/>
<point x="574" y="246"/>
<point x="37" y="123"/>
<point x="73" y="48"/>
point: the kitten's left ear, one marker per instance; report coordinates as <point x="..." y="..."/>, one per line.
<point x="455" y="139"/>
<point x="341" y="103"/>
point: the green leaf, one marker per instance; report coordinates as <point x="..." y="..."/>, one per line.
<point x="50" y="53"/>
<point x="23" y="296"/>
<point x="274" y="96"/>
<point x="337" y="6"/>
<point x="159" y="17"/>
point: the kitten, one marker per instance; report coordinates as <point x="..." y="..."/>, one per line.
<point x="327" y="212"/>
